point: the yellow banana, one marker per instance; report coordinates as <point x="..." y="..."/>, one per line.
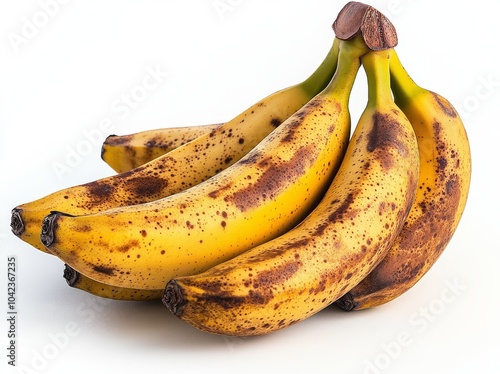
<point x="290" y="278"/>
<point x="443" y="186"/>
<point x="126" y="152"/>
<point x="81" y="282"/>
<point x="256" y="199"/>
<point x="181" y="168"/>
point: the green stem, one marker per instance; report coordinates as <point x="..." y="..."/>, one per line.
<point x="324" y="73"/>
<point x="349" y="62"/>
<point x="403" y="86"/>
<point x="376" y="65"/>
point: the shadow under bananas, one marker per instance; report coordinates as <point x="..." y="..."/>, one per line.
<point x="145" y="325"/>
<point x="148" y="325"/>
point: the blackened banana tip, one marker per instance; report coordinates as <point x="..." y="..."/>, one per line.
<point x="172" y="298"/>
<point x="346" y="303"/>
<point x="47" y="235"/>
<point x="70" y="275"/>
<point x="16" y="222"/>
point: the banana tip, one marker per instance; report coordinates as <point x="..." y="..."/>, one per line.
<point x="16" y="222"/>
<point x="172" y="297"/>
<point x="109" y="141"/>
<point x="346" y="303"/>
<point x="70" y="275"/>
<point x="47" y="235"/>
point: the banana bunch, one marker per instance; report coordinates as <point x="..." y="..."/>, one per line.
<point x="249" y="226"/>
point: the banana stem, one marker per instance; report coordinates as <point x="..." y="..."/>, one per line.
<point x="401" y="82"/>
<point x="349" y="62"/>
<point x="376" y="65"/>
<point x="322" y="75"/>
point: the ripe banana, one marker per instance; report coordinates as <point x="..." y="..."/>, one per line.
<point x="290" y="278"/>
<point x="126" y="152"/>
<point x="443" y="186"/>
<point x="81" y="282"/>
<point x="181" y="168"/>
<point x="259" y="197"/>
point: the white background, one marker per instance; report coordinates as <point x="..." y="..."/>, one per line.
<point x="65" y="78"/>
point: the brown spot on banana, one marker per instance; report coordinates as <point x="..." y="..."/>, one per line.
<point x="445" y="105"/>
<point x="158" y="142"/>
<point x="278" y="251"/>
<point x="216" y="193"/>
<point x="104" y="270"/>
<point x="99" y="190"/>
<point x="336" y="214"/>
<point x="386" y="125"/>
<point x="129" y="245"/>
<point x="266" y="280"/>
<point x="147" y="185"/>
<point x="276" y="177"/>
<point x="311" y="106"/>
<point x="82" y="228"/>
<point x="275" y="122"/>
<point x="225" y="300"/>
